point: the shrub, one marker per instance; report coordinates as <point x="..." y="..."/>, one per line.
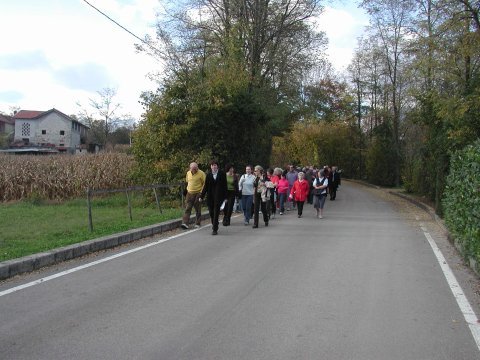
<point x="461" y="201"/>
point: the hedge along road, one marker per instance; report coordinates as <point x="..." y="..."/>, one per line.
<point x="362" y="283"/>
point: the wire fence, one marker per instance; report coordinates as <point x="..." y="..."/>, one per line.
<point x="128" y="192"/>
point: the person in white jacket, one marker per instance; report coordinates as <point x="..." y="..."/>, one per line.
<point x="245" y="186"/>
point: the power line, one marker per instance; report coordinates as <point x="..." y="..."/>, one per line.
<point x="124" y="28"/>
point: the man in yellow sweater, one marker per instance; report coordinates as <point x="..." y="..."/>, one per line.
<point x="195" y="179"/>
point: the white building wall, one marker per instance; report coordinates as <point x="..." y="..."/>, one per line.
<point x="58" y="131"/>
<point x="25" y="129"/>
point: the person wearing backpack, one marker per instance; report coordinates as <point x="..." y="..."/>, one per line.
<point x="320" y="185"/>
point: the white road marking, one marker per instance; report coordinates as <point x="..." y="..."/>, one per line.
<point x="462" y="301"/>
<point x="85" y="266"/>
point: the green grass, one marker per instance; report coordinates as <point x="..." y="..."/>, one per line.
<point x="35" y="226"/>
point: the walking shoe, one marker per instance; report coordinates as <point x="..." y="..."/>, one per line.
<point x="184" y="226"/>
<point x="320" y="216"/>
<point x="245" y="223"/>
<point x="196" y="226"/>
<point x="254" y="226"/>
<point x="214" y="232"/>
<point x="281" y="213"/>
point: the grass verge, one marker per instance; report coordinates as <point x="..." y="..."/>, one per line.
<point x="34" y="226"/>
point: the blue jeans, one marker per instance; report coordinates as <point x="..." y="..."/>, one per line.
<point x="283" y="198"/>
<point x="247" y="201"/>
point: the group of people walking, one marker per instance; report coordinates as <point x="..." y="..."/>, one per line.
<point x="257" y="190"/>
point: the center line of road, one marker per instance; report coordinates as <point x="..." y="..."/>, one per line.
<point x="85" y="266"/>
<point x="456" y="289"/>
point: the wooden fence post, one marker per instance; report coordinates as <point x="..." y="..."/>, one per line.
<point x="89" y="204"/>
<point x="129" y="205"/>
<point x="157" y="200"/>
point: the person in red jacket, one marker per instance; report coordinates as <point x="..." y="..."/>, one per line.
<point x="299" y="192"/>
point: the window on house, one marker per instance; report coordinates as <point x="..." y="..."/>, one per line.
<point x="61" y="145"/>
<point x="62" y="132"/>
<point x="25" y="129"/>
<point x="44" y="132"/>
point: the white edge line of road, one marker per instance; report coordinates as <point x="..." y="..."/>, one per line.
<point x="93" y="263"/>
<point x="462" y="301"/>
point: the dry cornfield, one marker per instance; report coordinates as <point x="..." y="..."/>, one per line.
<point x="59" y="177"/>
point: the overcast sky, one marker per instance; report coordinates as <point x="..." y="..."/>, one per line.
<point x="56" y="53"/>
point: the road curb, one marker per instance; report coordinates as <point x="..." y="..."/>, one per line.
<point x="423" y="206"/>
<point x="34" y="262"/>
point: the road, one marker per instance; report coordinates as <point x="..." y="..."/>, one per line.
<point x="362" y="283"/>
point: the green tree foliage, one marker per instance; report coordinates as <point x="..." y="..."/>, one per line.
<point x="200" y="118"/>
<point x="380" y="157"/>
<point x="462" y="200"/>
<point x="445" y="53"/>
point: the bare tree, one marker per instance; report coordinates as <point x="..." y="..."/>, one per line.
<point x="390" y="21"/>
<point x="102" y="116"/>
<point x="273" y="39"/>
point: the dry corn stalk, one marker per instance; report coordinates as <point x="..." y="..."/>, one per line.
<point x="60" y="177"/>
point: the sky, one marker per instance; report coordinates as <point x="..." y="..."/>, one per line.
<point x="61" y="53"/>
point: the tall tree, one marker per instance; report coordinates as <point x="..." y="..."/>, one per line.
<point x="233" y="74"/>
<point x="272" y="38"/>
<point x="390" y="20"/>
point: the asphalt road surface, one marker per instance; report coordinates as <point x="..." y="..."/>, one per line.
<point x="362" y="284"/>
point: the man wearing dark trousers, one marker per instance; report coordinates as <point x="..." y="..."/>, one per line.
<point x="216" y="190"/>
<point x="335" y="182"/>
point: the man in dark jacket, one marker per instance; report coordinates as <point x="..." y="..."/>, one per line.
<point x="216" y="190"/>
<point x="335" y="182"/>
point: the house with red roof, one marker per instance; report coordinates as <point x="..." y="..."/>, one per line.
<point x="52" y="129"/>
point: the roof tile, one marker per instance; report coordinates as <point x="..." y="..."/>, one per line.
<point x="27" y="114"/>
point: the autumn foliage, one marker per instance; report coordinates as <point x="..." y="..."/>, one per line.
<point x="319" y="143"/>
